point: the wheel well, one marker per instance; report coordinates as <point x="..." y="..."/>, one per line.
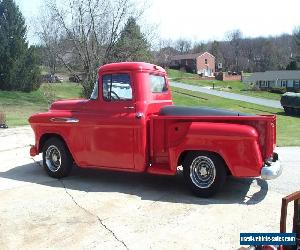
<point x="186" y="152"/>
<point x="46" y="137"/>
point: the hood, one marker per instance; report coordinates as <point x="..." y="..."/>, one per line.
<point x="197" y="111"/>
<point x="70" y="104"/>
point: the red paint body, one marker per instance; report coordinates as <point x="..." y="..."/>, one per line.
<point x="109" y="135"/>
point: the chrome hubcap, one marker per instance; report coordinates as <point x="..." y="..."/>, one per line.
<point x="203" y="172"/>
<point x="53" y="158"/>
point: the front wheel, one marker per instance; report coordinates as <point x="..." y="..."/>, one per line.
<point x="57" y="159"/>
<point x="204" y="172"/>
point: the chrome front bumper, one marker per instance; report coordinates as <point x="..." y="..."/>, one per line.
<point x="272" y="168"/>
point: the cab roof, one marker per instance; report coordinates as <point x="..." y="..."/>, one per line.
<point x="131" y="66"/>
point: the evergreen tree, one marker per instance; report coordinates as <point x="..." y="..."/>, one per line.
<point x="18" y="63"/>
<point x="132" y="44"/>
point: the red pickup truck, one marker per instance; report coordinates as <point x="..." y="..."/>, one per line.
<point x="131" y="124"/>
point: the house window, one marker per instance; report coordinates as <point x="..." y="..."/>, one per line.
<point x="116" y="87"/>
<point x="263" y="84"/>
<point x="266" y="84"/>
<point x="283" y="83"/>
<point x="205" y="61"/>
<point x="296" y="83"/>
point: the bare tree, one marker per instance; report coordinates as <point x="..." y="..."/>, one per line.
<point x="50" y="36"/>
<point x="199" y="47"/>
<point x="296" y="35"/>
<point x="235" y="38"/>
<point x="163" y="52"/>
<point x="81" y="34"/>
<point x="183" y="46"/>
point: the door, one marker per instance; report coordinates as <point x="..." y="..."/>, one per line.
<point x="112" y="139"/>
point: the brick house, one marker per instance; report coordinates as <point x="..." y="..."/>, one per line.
<point x="200" y="63"/>
<point x="289" y="79"/>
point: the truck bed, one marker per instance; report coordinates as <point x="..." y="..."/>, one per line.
<point x="171" y="127"/>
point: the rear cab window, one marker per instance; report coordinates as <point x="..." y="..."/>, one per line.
<point x="157" y="83"/>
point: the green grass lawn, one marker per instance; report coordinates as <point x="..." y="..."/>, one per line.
<point x="229" y="86"/>
<point x="18" y="106"/>
<point x="288" y="127"/>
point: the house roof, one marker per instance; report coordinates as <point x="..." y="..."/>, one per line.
<point x="273" y="76"/>
<point x="189" y="56"/>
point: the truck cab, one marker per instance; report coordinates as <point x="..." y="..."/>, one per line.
<point x="131" y="124"/>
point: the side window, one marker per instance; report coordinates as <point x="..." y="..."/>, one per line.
<point x="117" y="87"/>
<point x="157" y="84"/>
<point x="94" y="95"/>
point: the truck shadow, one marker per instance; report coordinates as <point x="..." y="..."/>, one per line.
<point x="172" y="189"/>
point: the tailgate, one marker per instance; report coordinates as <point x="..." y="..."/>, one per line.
<point x="266" y="128"/>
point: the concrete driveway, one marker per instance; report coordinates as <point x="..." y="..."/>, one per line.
<point x="228" y="95"/>
<point x="110" y="210"/>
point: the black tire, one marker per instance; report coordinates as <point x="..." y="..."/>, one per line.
<point x="213" y="177"/>
<point x="293" y="111"/>
<point x="57" y="159"/>
<point x="289" y="110"/>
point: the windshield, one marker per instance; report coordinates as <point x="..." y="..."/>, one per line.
<point x="94" y="94"/>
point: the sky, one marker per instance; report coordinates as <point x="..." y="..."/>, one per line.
<point x="201" y="20"/>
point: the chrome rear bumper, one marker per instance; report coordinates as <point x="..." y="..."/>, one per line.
<point x="272" y="168"/>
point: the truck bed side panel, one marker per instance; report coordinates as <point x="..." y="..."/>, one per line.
<point x="241" y="142"/>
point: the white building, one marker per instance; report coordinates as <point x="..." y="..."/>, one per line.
<point x="289" y="79"/>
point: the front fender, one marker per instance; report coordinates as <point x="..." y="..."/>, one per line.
<point x="237" y="144"/>
<point x="42" y="126"/>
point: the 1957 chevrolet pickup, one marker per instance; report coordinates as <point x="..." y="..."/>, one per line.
<point x="131" y="124"/>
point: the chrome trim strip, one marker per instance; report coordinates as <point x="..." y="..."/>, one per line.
<point x="64" y="119"/>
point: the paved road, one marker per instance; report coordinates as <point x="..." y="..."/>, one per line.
<point x="95" y="209"/>
<point x="233" y="96"/>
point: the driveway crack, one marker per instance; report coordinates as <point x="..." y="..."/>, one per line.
<point x="37" y="162"/>
<point x="92" y="214"/>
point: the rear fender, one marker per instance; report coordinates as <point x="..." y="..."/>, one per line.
<point x="236" y="144"/>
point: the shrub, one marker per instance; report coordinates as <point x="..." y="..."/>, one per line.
<point x="278" y="90"/>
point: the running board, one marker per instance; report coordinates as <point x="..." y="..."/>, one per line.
<point x="161" y="170"/>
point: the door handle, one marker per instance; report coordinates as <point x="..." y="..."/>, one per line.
<point x="139" y="115"/>
<point x="129" y="107"/>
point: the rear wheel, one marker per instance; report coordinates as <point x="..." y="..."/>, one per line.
<point x="293" y="111"/>
<point x="57" y="159"/>
<point x="288" y="110"/>
<point x="204" y="172"/>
